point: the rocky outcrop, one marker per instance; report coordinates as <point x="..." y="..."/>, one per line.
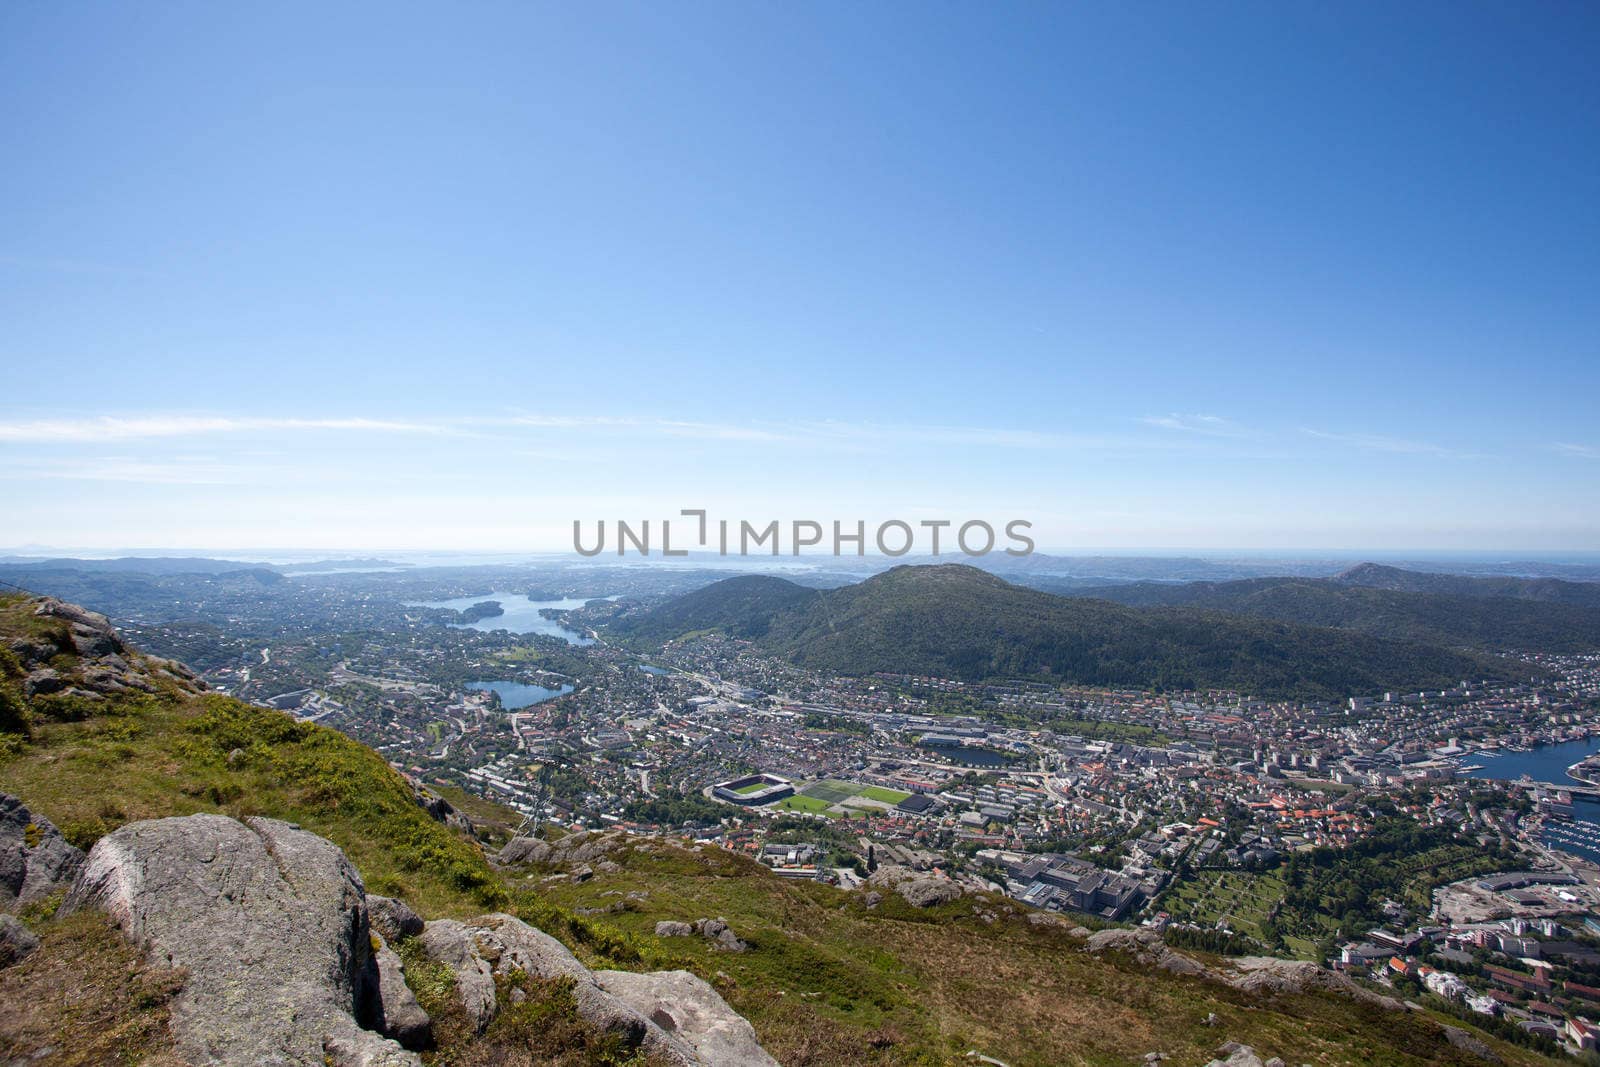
<point x="1233" y="1054"/>
<point x="16" y="940"/>
<point x="1464" y="1041"/>
<point x="395" y="1010"/>
<point x="573" y="851"/>
<point x="102" y="664"/>
<point x="1265" y="975"/>
<point x="270" y="923"/>
<point x="498" y="945"/>
<point x="684" y="1004"/>
<point x="392" y="919"/>
<point x="720" y="935"/>
<point x="35" y="860"/>
<point x="1145" y="946"/>
<point x="715" y="931"/>
<point x="439" y="808"/>
<point x="919" y="889"/>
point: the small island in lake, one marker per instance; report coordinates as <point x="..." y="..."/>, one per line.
<point x="484" y="609"/>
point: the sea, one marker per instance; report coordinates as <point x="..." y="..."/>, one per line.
<point x="1549" y="763"/>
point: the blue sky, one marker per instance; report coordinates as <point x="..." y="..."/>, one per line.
<point x="1161" y="275"/>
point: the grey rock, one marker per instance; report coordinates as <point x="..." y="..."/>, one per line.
<point x="453" y="944"/>
<point x="395" y="1008"/>
<point x="269" y="921"/>
<point x="392" y="919"/>
<point x="438" y="807"/>
<point x="686" y="1005"/>
<point x="43" y="681"/>
<point x="920" y="890"/>
<point x="524" y="850"/>
<point x="496" y="945"/>
<point x="16" y="940"/>
<point x="719" y="934"/>
<point x="669" y="928"/>
<point x="1269" y="976"/>
<point x="1237" y="1056"/>
<point x="31" y="871"/>
<point x="1464" y="1041"/>
<point x="91" y="633"/>
<point x="1144" y="945"/>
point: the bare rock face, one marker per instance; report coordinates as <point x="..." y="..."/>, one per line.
<point x="392" y="919"/>
<point x="439" y="808"/>
<point x="1266" y="975"/>
<point x="671" y="928"/>
<point x="106" y="666"/>
<point x="16" y="940"/>
<point x="35" y="860"/>
<point x="1464" y="1041"/>
<point x="91" y="633"/>
<point x="1237" y="1055"/>
<point x="270" y="922"/>
<point x="918" y="889"/>
<point x="720" y="934"/>
<point x="684" y="1004"/>
<point x="576" y="850"/>
<point x="1145" y="946"/>
<point x="395" y="1008"/>
<point x="496" y="945"/>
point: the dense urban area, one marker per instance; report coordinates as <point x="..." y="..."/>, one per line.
<point x="1361" y="832"/>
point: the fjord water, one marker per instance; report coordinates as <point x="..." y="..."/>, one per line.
<point x="1549" y="763"/>
<point x="521" y="615"/>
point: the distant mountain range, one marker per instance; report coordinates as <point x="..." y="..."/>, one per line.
<point x="1498" y="614"/>
<point x="959" y="622"/>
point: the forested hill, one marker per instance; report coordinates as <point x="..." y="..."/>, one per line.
<point x="960" y="622"/>
<point x="1496" y="614"/>
<point x="1547" y="590"/>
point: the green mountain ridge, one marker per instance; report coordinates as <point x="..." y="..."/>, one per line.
<point x="957" y="621"/>
<point x="1492" y="614"/>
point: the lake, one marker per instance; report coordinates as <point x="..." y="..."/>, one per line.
<point x="973" y="757"/>
<point x="1549" y="763"/>
<point x="521" y="615"/>
<point x="514" y="695"/>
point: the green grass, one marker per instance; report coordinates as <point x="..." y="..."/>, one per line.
<point x="829" y="981"/>
<point x="753" y="787"/>
<point x="832" y="791"/>
<point x="887" y="796"/>
<point x="804" y="803"/>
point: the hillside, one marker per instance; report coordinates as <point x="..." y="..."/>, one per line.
<point x="1544" y="590"/>
<point x="1497" y="614"/>
<point x="95" y="735"/>
<point x="960" y="622"/>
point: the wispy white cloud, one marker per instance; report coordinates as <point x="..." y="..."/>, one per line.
<point x="1568" y="449"/>
<point x="1210" y="425"/>
<point x="115" y="428"/>
<point x="127" y="428"/>
<point x="128" y="469"/>
<point x="1371" y="442"/>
